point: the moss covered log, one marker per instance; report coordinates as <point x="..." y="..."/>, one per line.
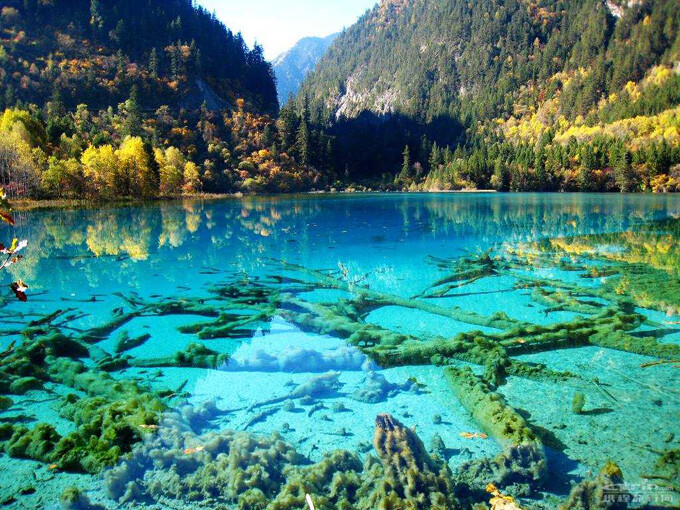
<point x="489" y="408"/>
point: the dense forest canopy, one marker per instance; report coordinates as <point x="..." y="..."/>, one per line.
<point x="427" y="74"/>
<point x="93" y="50"/>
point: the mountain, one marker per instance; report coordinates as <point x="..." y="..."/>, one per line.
<point x="143" y="97"/>
<point x="138" y="98"/>
<point x="291" y="67"/>
<point x="425" y="73"/>
<point x="422" y="57"/>
<point x="94" y="50"/>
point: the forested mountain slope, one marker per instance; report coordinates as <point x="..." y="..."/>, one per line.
<point x="92" y="50"/>
<point x="135" y="98"/>
<point x="414" y="72"/>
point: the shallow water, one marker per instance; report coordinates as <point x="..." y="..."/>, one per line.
<point x="98" y="263"/>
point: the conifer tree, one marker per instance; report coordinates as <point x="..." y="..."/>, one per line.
<point x="57" y="121"/>
<point x="153" y="64"/>
<point x="120" y="63"/>
<point x="268" y="138"/>
<point x="288" y="122"/>
<point x="405" y="174"/>
<point x="96" y="17"/>
<point x="174" y="62"/>
<point x="303" y="144"/>
<point x="624" y="174"/>
<point x="133" y="114"/>
<point x="435" y="157"/>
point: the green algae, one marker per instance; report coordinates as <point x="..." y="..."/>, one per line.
<point x="5" y="403"/>
<point x="645" y="346"/>
<point x="24" y="384"/>
<point x="73" y="498"/>
<point x="578" y="402"/>
<point x="195" y="355"/>
<point x="667" y="469"/>
<point x="105" y="431"/>
<point x="251" y="472"/>
<point x="126" y="343"/>
<point x="520" y="469"/>
<point x="227" y="325"/>
<point x="560" y="301"/>
<point x="37" y="444"/>
<point x="108" y="421"/>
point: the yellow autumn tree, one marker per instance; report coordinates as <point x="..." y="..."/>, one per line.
<point x="192" y="181"/>
<point x="101" y="166"/>
<point x="19" y="171"/>
<point x="23" y="127"/>
<point x="22" y="140"/>
<point x="171" y="165"/>
<point x="64" y="177"/>
<point x="137" y="174"/>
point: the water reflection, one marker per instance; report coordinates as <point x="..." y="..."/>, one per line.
<point x="215" y="232"/>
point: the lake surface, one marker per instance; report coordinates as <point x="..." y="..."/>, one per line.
<point x="311" y="315"/>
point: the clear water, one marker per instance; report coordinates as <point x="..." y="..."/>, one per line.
<point x="85" y="259"/>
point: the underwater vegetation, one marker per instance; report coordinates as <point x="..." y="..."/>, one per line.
<point x="264" y="472"/>
<point x="150" y="447"/>
<point x="110" y="417"/>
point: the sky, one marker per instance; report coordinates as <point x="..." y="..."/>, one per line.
<point x="278" y="24"/>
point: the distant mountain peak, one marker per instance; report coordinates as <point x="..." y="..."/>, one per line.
<point x="292" y="66"/>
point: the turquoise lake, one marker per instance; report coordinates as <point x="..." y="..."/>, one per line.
<point x="279" y="290"/>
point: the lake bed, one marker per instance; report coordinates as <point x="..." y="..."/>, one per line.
<point x="212" y="325"/>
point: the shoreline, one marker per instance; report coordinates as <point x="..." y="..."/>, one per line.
<point x="19" y="205"/>
<point x="24" y="205"/>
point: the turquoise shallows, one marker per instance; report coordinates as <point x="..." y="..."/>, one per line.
<point x="311" y="315"/>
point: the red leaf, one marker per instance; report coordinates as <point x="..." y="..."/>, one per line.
<point x="19" y="289"/>
<point x="7" y="218"/>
